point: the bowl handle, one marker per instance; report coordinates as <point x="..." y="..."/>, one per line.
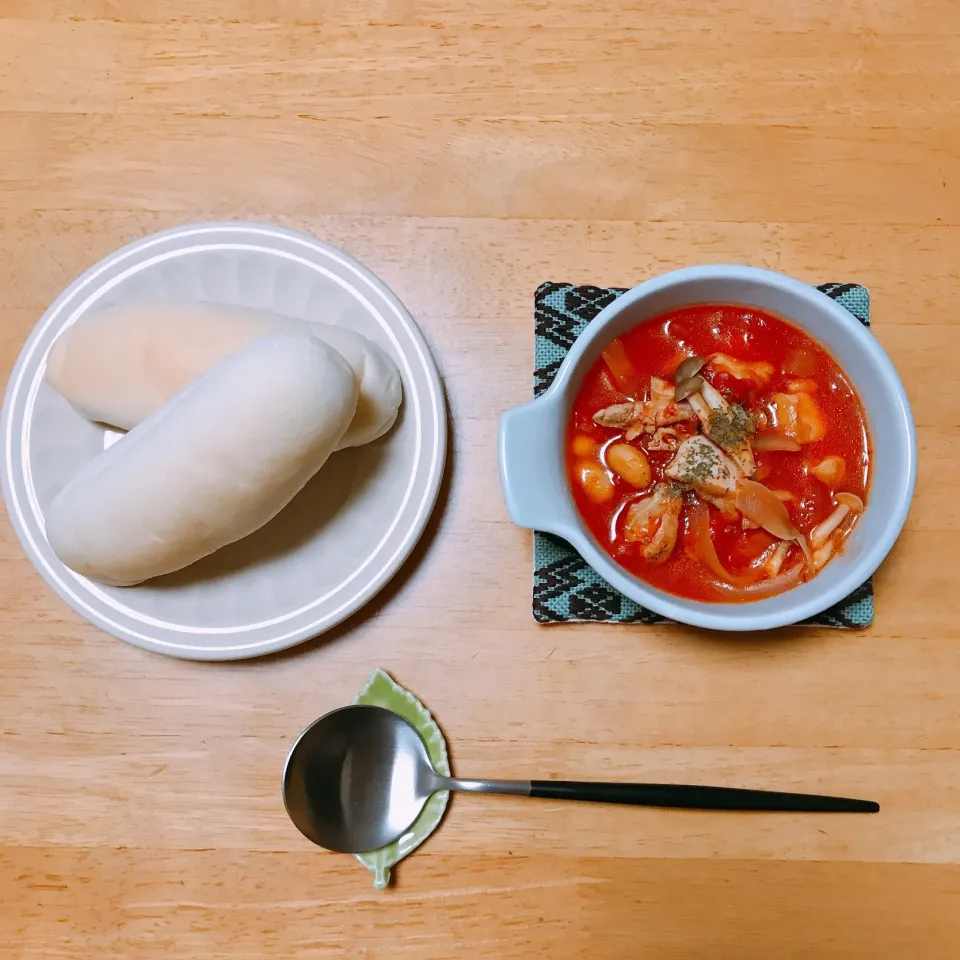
<point x="532" y="471"/>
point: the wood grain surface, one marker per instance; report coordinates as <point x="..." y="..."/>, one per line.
<point x="467" y="150"/>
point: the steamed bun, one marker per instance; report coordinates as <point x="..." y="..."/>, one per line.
<point x="120" y="366"/>
<point x="210" y="466"/>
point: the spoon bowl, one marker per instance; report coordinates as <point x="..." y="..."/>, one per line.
<point x="357" y="778"/>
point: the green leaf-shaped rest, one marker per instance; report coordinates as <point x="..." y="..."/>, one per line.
<point x="382" y="691"/>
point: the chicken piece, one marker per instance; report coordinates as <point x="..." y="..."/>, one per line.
<point x="646" y="416"/>
<point x="759" y="372"/>
<point x="699" y="463"/>
<point x="661" y="410"/>
<point x="619" y="415"/>
<point x="796" y="415"/>
<point x="654" y="521"/>
<point x="664" y="438"/>
<point x="726" y="505"/>
<point x="661" y="392"/>
<point x="829" y="470"/>
<point x="729" y="426"/>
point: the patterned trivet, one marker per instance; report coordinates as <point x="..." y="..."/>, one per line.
<point x="565" y="588"/>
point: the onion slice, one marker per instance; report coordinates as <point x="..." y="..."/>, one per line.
<point x="620" y="367"/>
<point x="799" y="363"/>
<point x="765" y="588"/>
<point x="775" y="441"/>
<point x="731" y="585"/>
<point x="761" y="505"/>
<point x="706" y="552"/>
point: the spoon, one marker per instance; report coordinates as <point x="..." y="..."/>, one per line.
<point x="357" y="778"/>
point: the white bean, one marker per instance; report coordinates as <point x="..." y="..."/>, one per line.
<point x="630" y="464"/>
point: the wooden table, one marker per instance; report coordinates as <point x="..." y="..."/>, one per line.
<point x="467" y="150"/>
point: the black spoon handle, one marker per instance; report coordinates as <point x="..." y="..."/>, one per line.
<point x="699" y="798"/>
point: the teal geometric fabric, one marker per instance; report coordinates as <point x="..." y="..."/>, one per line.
<point x="565" y="588"/>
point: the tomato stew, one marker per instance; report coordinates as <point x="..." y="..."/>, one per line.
<point x="736" y="476"/>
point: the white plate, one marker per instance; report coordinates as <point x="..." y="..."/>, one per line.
<point x="334" y="546"/>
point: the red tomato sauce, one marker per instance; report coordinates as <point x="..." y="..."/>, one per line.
<point x="655" y="348"/>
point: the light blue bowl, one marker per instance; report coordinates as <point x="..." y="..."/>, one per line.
<point x="532" y="451"/>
